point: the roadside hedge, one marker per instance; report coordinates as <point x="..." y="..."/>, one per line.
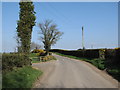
<point x="111" y="55"/>
<point x="104" y="59"/>
<point x="10" y="61"/>
<point x="79" y="53"/>
<point x="38" y="51"/>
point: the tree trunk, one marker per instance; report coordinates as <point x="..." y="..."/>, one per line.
<point x="47" y="50"/>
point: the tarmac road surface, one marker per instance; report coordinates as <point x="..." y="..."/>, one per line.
<point x="70" y="73"/>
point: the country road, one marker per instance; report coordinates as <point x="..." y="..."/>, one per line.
<point x="71" y="73"/>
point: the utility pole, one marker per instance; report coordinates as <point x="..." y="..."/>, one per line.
<point x="83" y="38"/>
<point x="91" y="46"/>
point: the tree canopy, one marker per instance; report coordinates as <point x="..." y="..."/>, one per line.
<point x="49" y="34"/>
<point x="25" y="24"/>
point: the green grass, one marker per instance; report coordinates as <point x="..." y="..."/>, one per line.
<point x="20" y="77"/>
<point x="34" y="61"/>
<point x="35" y="58"/>
<point x="33" y="55"/>
<point x="115" y="72"/>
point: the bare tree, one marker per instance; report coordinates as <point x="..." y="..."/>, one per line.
<point x="49" y="34"/>
<point x="35" y="46"/>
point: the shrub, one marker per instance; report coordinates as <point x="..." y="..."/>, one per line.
<point x="100" y="63"/>
<point x="117" y="48"/>
<point x="10" y="61"/>
<point x="110" y="53"/>
<point x="38" y="51"/>
<point x="102" y="53"/>
<point x="47" y="58"/>
<point x="50" y="53"/>
<point x="115" y="72"/>
<point x="118" y="55"/>
<point x="41" y="54"/>
<point x="111" y="57"/>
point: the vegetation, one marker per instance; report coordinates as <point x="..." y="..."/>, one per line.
<point x="50" y="34"/>
<point x="37" y="59"/>
<point x="20" y="78"/>
<point x="99" y="63"/>
<point x="35" y="46"/>
<point x="94" y="53"/>
<point x="34" y="57"/>
<point x="38" y="51"/>
<point x="115" y="72"/>
<point x="112" y="69"/>
<point x="25" y="25"/>
<point x="13" y="75"/>
<point x="17" y="72"/>
<point x="14" y="60"/>
<point x="47" y="58"/>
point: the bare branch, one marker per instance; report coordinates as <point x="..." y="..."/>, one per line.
<point x="49" y="34"/>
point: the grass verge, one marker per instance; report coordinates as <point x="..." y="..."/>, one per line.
<point x="115" y="72"/>
<point x="36" y="59"/>
<point x="20" y="77"/>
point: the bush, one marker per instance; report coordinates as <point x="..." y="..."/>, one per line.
<point x="115" y="72"/>
<point x="47" y="58"/>
<point x="110" y="53"/>
<point x="118" y="55"/>
<point x="38" y="51"/>
<point x="102" y="53"/>
<point x="99" y="63"/>
<point x="112" y="57"/>
<point x="50" y="53"/>
<point x="10" y="61"/>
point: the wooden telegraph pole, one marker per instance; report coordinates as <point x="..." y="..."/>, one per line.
<point x="83" y="37"/>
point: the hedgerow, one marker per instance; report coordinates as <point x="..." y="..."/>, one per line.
<point x="11" y="61"/>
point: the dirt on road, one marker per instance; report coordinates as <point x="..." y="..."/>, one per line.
<point x="71" y="73"/>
